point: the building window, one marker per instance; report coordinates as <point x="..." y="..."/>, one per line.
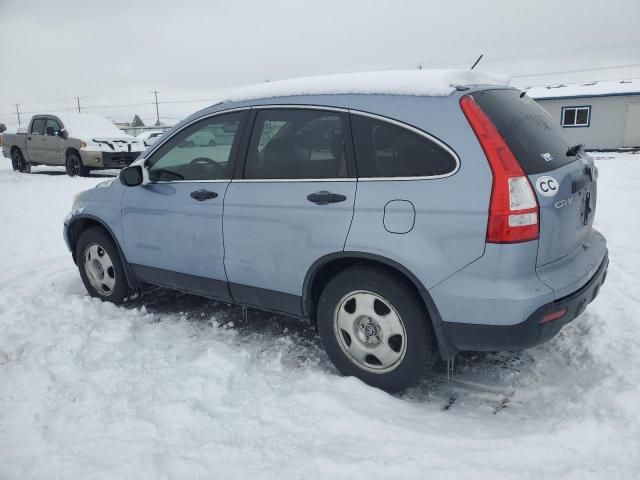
<point x="576" y="116"/>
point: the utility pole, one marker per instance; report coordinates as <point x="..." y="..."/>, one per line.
<point x="78" y="99"/>
<point x="155" y="92"/>
<point x="18" y="112"/>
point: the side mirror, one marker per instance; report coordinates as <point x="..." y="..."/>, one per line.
<point x="2" y="127"/>
<point x="131" y="176"/>
<point x="63" y="133"/>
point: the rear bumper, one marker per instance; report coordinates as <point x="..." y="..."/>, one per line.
<point x="476" y="337"/>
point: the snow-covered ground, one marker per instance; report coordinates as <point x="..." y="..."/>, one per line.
<point x="182" y="389"/>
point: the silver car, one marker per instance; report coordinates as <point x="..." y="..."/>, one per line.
<point x="403" y="226"/>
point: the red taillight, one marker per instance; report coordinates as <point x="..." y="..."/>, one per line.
<point x="513" y="209"/>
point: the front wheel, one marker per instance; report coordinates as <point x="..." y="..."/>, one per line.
<point x="374" y="327"/>
<point x="100" y="267"/>
<point x="75" y="167"/>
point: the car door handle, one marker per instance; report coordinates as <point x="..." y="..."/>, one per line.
<point x="325" y="198"/>
<point x="28" y="138"/>
<point x="202" y="195"/>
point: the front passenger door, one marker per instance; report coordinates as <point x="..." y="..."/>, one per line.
<point x="53" y="149"/>
<point x="172" y="226"/>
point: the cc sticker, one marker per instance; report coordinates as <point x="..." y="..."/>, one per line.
<point x="547" y="186"/>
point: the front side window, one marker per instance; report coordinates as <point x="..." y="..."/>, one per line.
<point x="52" y="126"/>
<point x="38" y="126"/>
<point x="387" y="150"/>
<point x="297" y="144"/>
<point x="200" y="152"/>
<point x="576" y="116"/>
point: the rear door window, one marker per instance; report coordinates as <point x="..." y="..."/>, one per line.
<point x="38" y="126"/>
<point x="384" y="149"/>
<point x="535" y="138"/>
<point x="297" y="144"/>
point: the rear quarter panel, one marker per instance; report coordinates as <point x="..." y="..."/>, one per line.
<point x="451" y="213"/>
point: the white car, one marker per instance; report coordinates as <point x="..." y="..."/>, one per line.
<point x="149" y="137"/>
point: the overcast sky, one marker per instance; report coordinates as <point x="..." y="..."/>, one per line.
<point x="115" y="52"/>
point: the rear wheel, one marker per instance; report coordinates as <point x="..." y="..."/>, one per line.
<point x="100" y="267"/>
<point x="75" y="167"/>
<point x="18" y="163"/>
<point x="375" y="328"/>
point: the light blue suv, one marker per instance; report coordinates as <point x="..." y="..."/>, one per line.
<point x="402" y="226"/>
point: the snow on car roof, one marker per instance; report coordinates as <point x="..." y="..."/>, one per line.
<point x="588" y="89"/>
<point x="88" y="125"/>
<point x="390" y="82"/>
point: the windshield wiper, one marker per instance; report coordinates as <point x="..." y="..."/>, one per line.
<point x="573" y="151"/>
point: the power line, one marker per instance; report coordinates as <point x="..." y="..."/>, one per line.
<point x="540" y="74"/>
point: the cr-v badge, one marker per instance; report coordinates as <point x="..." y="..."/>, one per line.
<point x="547" y="186"/>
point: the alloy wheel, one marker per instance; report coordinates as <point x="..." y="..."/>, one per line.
<point x="370" y="331"/>
<point x="98" y="267"/>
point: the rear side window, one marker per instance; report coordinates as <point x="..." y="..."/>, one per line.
<point x="387" y="150"/>
<point x="38" y="126"/>
<point x="297" y="144"/>
<point x="535" y="138"/>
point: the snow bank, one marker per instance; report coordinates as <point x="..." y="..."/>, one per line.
<point x="609" y="87"/>
<point x="394" y="82"/>
<point x="172" y="390"/>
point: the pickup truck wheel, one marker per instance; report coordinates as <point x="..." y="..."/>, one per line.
<point x="375" y="328"/>
<point x="75" y="167"/>
<point x="18" y="163"/>
<point x="100" y="267"/>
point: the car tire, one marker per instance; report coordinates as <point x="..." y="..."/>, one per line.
<point x="18" y="163"/>
<point x="75" y="167"/>
<point x="374" y="327"/>
<point x="100" y="266"/>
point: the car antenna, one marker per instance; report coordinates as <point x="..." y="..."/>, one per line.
<point x="477" y="61"/>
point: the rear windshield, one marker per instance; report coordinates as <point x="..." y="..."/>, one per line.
<point x="535" y="138"/>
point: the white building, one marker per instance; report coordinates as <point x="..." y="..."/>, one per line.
<point x="602" y="115"/>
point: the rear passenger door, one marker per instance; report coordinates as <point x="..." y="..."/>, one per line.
<point x="291" y="204"/>
<point x="36" y="141"/>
